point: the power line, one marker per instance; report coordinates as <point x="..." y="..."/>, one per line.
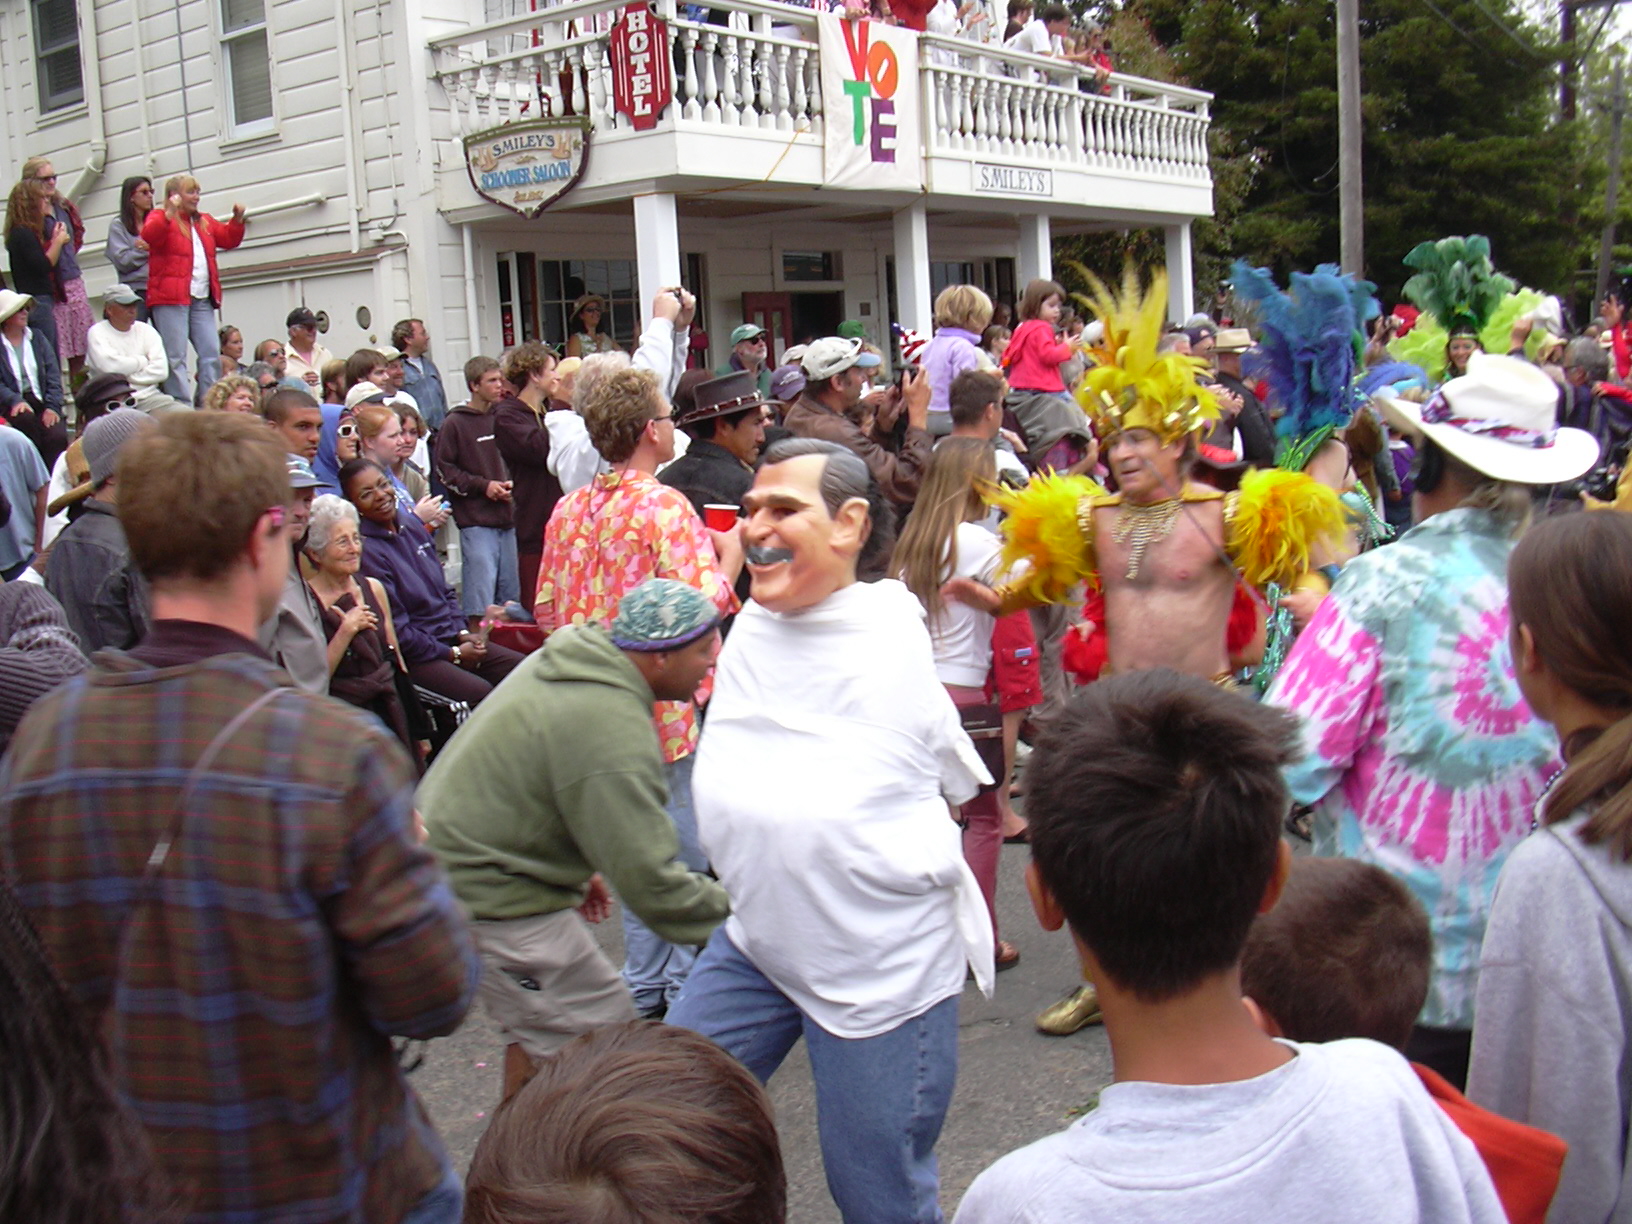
<point x="1508" y="30"/>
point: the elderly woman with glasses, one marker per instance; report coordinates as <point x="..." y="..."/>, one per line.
<point x="363" y="658"/>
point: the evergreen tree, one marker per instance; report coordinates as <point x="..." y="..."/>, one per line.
<point x="1459" y="133"/>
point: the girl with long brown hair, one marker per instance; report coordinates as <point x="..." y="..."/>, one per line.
<point x="34" y="254"/>
<point x="72" y="308"/>
<point x="942" y="540"/>
<point x="1552" y="1034"/>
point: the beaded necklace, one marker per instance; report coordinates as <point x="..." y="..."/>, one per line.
<point x="1141" y="525"/>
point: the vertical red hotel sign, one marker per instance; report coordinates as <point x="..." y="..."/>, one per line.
<point x="642" y="76"/>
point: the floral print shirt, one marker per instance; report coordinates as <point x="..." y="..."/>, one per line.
<point x="607" y="538"/>
<point x="1419" y="752"/>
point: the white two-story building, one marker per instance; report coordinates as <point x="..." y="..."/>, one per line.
<point x="480" y="168"/>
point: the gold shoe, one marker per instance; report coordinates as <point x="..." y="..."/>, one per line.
<point x="1077" y="1010"/>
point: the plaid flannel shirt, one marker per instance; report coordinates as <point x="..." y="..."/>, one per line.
<point x="296" y="925"/>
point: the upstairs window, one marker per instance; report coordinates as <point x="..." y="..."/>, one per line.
<point x="56" y="47"/>
<point x="247" y="58"/>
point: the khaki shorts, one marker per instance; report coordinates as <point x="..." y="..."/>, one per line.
<point x="544" y="981"/>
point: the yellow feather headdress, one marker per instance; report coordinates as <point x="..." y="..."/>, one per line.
<point x="1131" y="386"/>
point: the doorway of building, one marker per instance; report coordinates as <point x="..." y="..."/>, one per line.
<point x="816" y="315"/>
<point x="774" y="313"/>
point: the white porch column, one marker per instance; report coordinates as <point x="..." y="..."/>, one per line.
<point x="1036" y="257"/>
<point x="1181" y="274"/>
<point x="657" y="247"/>
<point x="911" y="272"/>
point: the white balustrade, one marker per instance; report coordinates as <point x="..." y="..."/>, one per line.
<point x="761" y="69"/>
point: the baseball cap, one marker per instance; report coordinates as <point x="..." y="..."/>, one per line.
<point x="122" y="294"/>
<point x="746" y="331"/>
<point x="301" y="316"/>
<point x="833" y="355"/>
<point x="301" y="475"/>
<point x="364" y="392"/>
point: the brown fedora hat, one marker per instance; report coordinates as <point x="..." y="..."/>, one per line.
<point x="734" y="392"/>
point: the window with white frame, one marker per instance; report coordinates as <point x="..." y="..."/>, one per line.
<point x="56" y="51"/>
<point x="246" y="57"/>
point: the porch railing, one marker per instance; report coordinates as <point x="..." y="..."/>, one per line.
<point x="759" y="70"/>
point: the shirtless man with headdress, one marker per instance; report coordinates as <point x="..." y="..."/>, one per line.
<point x="1175" y="561"/>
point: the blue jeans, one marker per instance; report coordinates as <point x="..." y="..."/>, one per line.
<point x="444" y="1203"/>
<point x="176" y="326"/>
<point x="654" y="969"/>
<point x="880" y="1101"/>
<point x="489" y="575"/>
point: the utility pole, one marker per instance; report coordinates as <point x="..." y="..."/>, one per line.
<point x="1566" y="76"/>
<point x="1350" y="195"/>
<point x="1606" y="244"/>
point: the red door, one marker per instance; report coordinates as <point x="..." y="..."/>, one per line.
<point x="773" y="312"/>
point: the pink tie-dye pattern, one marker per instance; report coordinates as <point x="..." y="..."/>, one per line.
<point x="1336" y="684"/>
<point x="1477" y="708"/>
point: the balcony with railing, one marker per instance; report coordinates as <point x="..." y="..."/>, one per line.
<point x="748" y="108"/>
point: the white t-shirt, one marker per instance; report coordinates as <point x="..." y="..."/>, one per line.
<point x="200" y="286"/>
<point x="1033" y="37"/>
<point x="962" y="636"/>
<point x="1345" y="1133"/>
<point x="821" y="784"/>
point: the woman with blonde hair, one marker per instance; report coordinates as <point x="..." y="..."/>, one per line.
<point x="962" y="313"/>
<point x="72" y="309"/>
<point x="1552" y="1029"/>
<point x="234" y="393"/>
<point x="184" y="282"/>
<point x="942" y="540"/>
<point x="34" y="256"/>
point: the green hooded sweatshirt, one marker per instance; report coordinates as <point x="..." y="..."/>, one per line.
<point x="556" y="775"/>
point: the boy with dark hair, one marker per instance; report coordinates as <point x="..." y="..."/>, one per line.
<point x="1155" y="806"/>
<point x="1346" y="953"/>
<point x="481" y="492"/>
<point x="639" y="1122"/>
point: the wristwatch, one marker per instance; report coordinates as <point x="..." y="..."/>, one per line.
<point x="458" y="653"/>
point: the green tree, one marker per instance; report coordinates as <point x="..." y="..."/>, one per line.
<point x="1460" y="135"/>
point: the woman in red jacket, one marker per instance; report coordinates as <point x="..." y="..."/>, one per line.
<point x="183" y="283"/>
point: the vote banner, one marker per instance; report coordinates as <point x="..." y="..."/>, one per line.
<point x="870" y="103"/>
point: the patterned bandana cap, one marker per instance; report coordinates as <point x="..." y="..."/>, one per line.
<point x="662" y="614"/>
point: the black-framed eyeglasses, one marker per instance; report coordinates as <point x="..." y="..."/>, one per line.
<point x="267" y="386"/>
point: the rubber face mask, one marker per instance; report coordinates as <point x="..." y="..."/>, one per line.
<point x="797" y="553"/>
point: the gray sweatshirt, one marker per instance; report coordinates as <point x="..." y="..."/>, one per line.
<point x="1550" y="1041"/>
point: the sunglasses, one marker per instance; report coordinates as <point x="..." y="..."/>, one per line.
<point x="127" y="401"/>
<point x="347" y="429"/>
<point x="45" y="178"/>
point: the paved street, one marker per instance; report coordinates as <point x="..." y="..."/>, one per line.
<point x="1014" y="1084"/>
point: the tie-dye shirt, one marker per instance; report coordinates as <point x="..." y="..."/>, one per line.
<point x="604" y="540"/>
<point x="1420" y="754"/>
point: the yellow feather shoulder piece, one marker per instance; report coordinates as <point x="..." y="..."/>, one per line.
<point x="1046" y="551"/>
<point x="1279" y="517"/>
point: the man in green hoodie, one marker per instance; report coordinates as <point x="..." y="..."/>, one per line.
<point x="557" y="779"/>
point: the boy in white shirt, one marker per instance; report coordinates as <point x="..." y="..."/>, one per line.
<point x="1155" y="805"/>
<point x="1044" y="34"/>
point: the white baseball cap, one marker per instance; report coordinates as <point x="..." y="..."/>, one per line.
<point x="833" y="355"/>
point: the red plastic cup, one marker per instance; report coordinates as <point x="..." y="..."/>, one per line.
<point x="720" y="517"/>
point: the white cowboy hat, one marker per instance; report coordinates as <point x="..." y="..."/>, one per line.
<point x="11" y="302"/>
<point x="1498" y="418"/>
